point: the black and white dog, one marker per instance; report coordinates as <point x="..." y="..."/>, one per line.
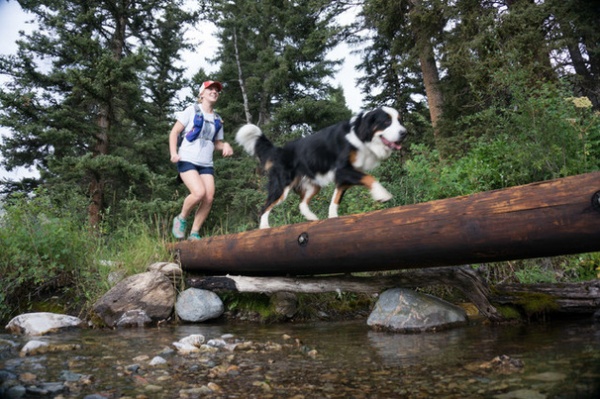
<point x="340" y="153"/>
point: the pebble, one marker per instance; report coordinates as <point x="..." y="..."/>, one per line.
<point x="157" y="360"/>
<point x="549" y="376"/>
<point x="194" y="340"/>
<point x="521" y="394"/>
<point x="153" y="388"/>
<point x="32" y="347"/>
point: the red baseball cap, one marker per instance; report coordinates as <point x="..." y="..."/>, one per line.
<point x="208" y="83"/>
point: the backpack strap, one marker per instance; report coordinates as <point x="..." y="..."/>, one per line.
<point x="218" y="125"/>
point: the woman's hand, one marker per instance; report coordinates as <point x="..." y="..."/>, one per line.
<point x="227" y="150"/>
<point x="175" y="158"/>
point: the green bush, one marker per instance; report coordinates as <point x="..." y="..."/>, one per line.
<point x="544" y="135"/>
<point x="48" y="250"/>
<point x="45" y="249"/>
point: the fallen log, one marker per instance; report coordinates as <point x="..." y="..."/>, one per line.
<point x="464" y="278"/>
<point x="550" y="218"/>
<point x="583" y="297"/>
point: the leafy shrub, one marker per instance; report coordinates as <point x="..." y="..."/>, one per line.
<point x="45" y="249"/>
<point x="48" y="250"/>
<point x="545" y="135"/>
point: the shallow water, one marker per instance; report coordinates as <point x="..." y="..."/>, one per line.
<point x="559" y="359"/>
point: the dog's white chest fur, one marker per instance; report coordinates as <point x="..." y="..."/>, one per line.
<point x="368" y="155"/>
<point x="367" y="159"/>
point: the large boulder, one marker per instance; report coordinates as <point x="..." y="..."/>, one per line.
<point x="42" y="323"/>
<point x="197" y="305"/>
<point x="150" y="293"/>
<point x="404" y="310"/>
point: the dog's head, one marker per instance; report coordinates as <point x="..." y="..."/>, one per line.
<point x="379" y="130"/>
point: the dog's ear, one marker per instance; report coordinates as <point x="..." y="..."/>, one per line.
<point x="362" y="127"/>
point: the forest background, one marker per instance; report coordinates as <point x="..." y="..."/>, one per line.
<point x="494" y="94"/>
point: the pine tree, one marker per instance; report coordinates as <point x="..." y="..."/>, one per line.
<point x="574" y="27"/>
<point x="89" y="95"/>
<point x="272" y="57"/>
<point x="495" y="52"/>
<point x="404" y="36"/>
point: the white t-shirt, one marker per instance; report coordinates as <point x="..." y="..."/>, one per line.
<point x="200" y="151"/>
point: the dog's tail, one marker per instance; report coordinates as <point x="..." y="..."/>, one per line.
<point x="255" y="142"/>
<point x="248" y="136"/>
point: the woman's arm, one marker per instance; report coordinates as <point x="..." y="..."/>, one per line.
<point x="225" y="147"/>
<point x="177" y="128"/>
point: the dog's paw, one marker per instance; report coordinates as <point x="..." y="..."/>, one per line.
<point x="307" y="213"/>
<point x="264" y="221"/>
<point x="333" y="210"/>
<point x="379" y="193"/>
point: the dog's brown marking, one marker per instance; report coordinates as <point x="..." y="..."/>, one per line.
<point x="352" y="157"/>
<point x="268" y="165"/>
<point x="270" y="207"/>
<point x="368" y="181"/>
<point x="340" y="193"/>
<point x="275" y="203"/>
<point x="306" y="198"/>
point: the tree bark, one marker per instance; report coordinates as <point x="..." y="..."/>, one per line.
<point x="588" y="86"/>
<point x="581" y="297"/>
<point x="429" y="69"/>
<point x="97" y="182"/>
<point x="241" y="79"/>
<point x="104" y="121"/>
<point x="434" y="94"/>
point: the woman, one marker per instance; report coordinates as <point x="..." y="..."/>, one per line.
<point x="203" y="134"/>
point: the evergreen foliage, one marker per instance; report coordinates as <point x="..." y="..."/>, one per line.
<point x="275" y="51"/>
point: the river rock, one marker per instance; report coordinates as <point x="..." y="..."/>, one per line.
<point x="197" y="305"/>
<point x="133" y="318"/>
<point x="194" y="339"/>
<point x="284" y="303"/>
<point x="36" y="347"/>
<point x="521" y="394"/>
<point x="404" y="310"/>
<point x="42" y="323"/>
<point x="157" y="361"/>
<point x="14" y="392"/>
<point x="32" y="347"/>
<point x="169" y="269"/>
<point x="151" y="293"/>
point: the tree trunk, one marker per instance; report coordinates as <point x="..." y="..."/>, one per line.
<point x="241" y="79"/>
<point x="586" y="83"/>
<point x="557" y="217"/>
<point x="263" y="113"/>
<point x="572" y="298"/>
<point x="97" y="181"/>
<point x="581" y="297"/>
<point x="104" y="121"/>
<point x="429" y="69"/>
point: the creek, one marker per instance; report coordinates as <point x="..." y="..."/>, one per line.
<point x="554" y="359"/>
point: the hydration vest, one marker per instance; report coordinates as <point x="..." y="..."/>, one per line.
<point x="197" y="129"/>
